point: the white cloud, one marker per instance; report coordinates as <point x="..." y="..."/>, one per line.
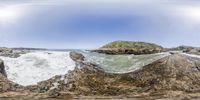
<point x="181" y="10"/>
<point x="191" y="13"/>
<point x="9" y="14"/>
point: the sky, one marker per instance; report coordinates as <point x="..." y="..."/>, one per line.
<point x="89" y="24"/>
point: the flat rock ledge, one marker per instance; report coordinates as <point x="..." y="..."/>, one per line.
<point x="175" y="77"/>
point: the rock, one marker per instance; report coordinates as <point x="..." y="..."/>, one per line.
<point x="7" y="85"/>
<point x="2" y="68"/>
<point x="129" y="47"/>
<point x="53" y="93"/>
<point x="77" y="57"/>
<point x="7" y="52"/>
<point x="186" y="49"/>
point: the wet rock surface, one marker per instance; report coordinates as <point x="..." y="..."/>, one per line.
<point x="174" y="77"/>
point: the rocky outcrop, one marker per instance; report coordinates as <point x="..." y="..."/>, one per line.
<point x="128" y="47"/>
<point x="186" y="49"/>
<point x="77" y="57"/>
<point x="5" y="84"/>
<point x="7" y="52"/>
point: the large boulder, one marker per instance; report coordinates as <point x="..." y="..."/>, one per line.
<point x="77" y="57"/>
<point x="129" y="47"/>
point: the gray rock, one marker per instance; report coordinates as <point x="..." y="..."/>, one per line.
<point x="77" y="57"/>
<point x="2" y="68"/>
<point x="54" y="92"/>
<point x="8" y="52"/>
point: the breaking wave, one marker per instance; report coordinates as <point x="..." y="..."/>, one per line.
<point x="30" y="68"/>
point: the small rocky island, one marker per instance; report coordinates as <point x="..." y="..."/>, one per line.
<point x="129" y="47"/>
<point x="175" y="77"/>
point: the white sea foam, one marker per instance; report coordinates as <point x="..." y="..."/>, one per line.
<point x="192" y="55"/>
<point x="33" y="67"/>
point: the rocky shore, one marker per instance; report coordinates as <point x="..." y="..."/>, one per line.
<point x="175" y="77"/>
<point x="186" y="49"/>
<point x="13" y="53"/>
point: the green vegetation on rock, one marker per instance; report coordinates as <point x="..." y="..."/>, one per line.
<point x="129" y="47"/>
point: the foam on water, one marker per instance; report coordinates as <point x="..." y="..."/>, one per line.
<point x="192" y="55"/>
<point x="34" y="67"/>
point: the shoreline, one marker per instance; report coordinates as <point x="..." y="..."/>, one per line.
<point x="164" y="78"/>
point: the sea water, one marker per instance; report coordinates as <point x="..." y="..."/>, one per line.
<point x="122" y="63"/>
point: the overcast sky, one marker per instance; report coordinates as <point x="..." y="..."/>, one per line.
<point x="89" y="24"/>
